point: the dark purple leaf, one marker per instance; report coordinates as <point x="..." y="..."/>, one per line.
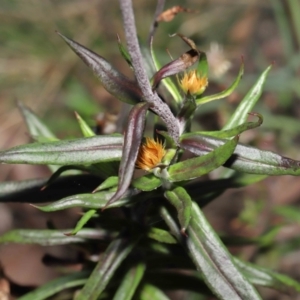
<point x="113" y="81"/>
<point x="132" y="140"/>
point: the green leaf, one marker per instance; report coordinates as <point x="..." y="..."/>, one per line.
<point x="108" y="183"/>
<point x="47" y="237"/>
<point x="57" y="285"/>
<point x="146" y="183"/>
<point x="202" y="68"/>
<point x="265" y="277"/>
<point x="116" y="252"/>
<point x="130" y="282"/>
<point x="124" y="52"/>
<point x="225" y="93"/>
<point x="37" y="129"/>
<point x="179" y="198"/>
<point x="151" y="292"/>
<point x="113" y="81"/>
<point x="85" y="128"/>
<point x="79" y="151"/>
<point x="233" y="131"/>
<point x="9" y="187"/>
<point x="212" y="258"/>
<point x="161" y="235"/>
<point x="83" y="220"/>
<point x="245" y="158"/>
<point x="198" y="166"/>
<point x="132" y="141"/>
<point x="247" y="104"/>
<point x="289" y="212"/>
<point x="90" y="201"/>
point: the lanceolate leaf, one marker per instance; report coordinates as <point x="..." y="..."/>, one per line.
<point x="213" y="260"/>
<point x="171" y="87"/>
<point x="83" y="151"/>
<point x="244" y="158"/>
<point x="130" y="282"/>
<point x="57" y="285"/>
<point x="225" y="93"/>
<point x="265" y="277"/>
<point x="147" y="183"/>
<point x="151" y="292"/>
<point x="198" y="166"/>
<point x="183" y="204"/>
<point x="247" y="104"/>
<point x="114" y="82"/>
<point x="37" y="129"/>
<point x="105" y="269"/>
<point x="132" y="140"/>
<point x="108" y="183"/>
<point x="178" y="65"/>
<point x="92" y="201"/>
<point x="47" y="237"/>
<point x="83" y="220"/>
<point x="161" y="236"/>
<point x="233" y="131"/>
<point x="85" y="128"/>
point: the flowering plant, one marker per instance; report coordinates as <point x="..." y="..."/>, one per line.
<point x="141" y="259"/>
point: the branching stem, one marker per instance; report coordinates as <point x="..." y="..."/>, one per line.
<point x="157" y="105"/>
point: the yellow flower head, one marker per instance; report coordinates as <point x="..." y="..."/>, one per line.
<point x="150" y="154"/>
<point x="193" y="84"/>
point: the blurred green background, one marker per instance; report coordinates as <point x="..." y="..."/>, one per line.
<point x="38" y="68"/>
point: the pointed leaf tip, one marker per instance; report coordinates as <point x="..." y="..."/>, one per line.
<point x="112" y="80"/>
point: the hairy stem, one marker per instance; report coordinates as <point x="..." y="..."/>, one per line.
<point x="157" y="105"/>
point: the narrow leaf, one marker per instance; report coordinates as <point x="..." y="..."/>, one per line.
<point x="198" y="166"/>
<point x="85" y="128"/>
<point x="178" y="65"/>
<point x="37" y="129"/>
<point x="202" y="68"/>
<point x="213" y="260"/>
<point x="179" y="198"/>
<point x="170" y="86"/>
<point x="57" y="285"/>
<point x="116" y="252"/>
<point x="83" y="220"/>
<point x="225" y="93"/>
<point x="265" y="277"/>
<point x="130" y="282"/>
<point x="108" y="183"/>
<point x="151" y="292"/>
<point x="146" y="183"/>
<point x="245" y="158"/>
<point x="247" y="104"/>
<point x="161" y="236"/>
<point x="124" y="52"/>
<point x="47" y="237"/>
<point x="233" y="131"/>
<point x="113" y="81"/>
<point x="89" y="201"/>
<point x="132" y="140"/>
<point x="79" y="151"/>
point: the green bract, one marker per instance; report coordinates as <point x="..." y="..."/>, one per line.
<point x="148" y="225"/>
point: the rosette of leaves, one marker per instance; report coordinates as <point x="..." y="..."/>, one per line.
<point x="160" y="229"/>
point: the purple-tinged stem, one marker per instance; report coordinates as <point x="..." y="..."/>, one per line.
<point x="157" y="105"/>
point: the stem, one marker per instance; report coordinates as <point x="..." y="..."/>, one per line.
<point x="157" y="105"/>
<point x="159" y="9"/>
